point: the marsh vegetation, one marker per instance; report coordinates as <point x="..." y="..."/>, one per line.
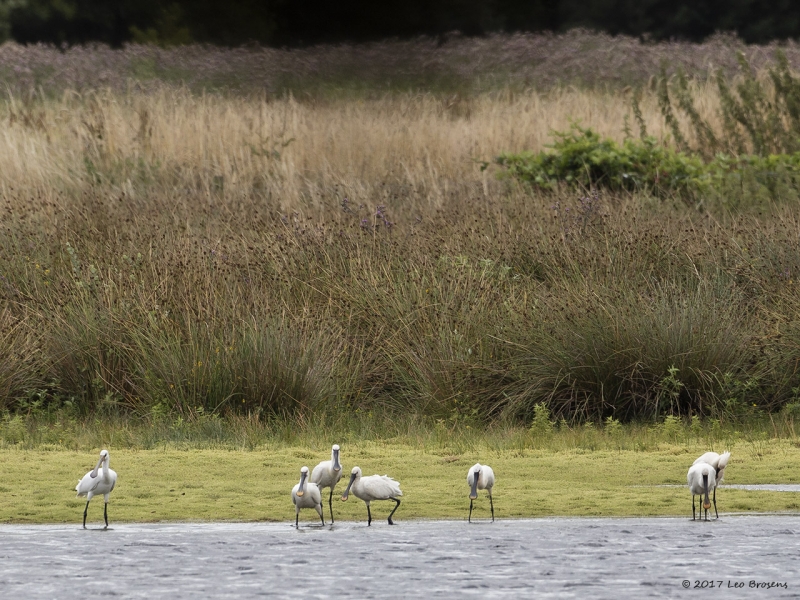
<point x="287" y="255"/>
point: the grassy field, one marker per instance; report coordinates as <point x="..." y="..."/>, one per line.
<point x="226" y="470"/>
<point x="216" y="281"/>
<point x="170" y="484"/>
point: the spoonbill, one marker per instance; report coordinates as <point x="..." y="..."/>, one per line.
<point x="374" y="487"/>
<point x="94" y="483"/>
<point x="327" y="474"/>
<point x="480" y="477"/>
<point x="306" y="495"/>
<point x="701" y="478"/>
<point x="719" y="462"/>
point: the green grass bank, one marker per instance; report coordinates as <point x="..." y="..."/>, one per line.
<point x="579" y="471"/>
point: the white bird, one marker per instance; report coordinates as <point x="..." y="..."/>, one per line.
<point x="327" y="474"/>
<point x="701" y="478"/>
<point x="306" y="495"/>
<point x="374" y="487"/>
<point x="480" y="477"/>
<point x="719" y="462"/>
<point x="94" y="483"/>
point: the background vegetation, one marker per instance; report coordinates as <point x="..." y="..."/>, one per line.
<point x="278" y="22"/>
<point x="447" y="65"/>
<point x="175" y="255"/>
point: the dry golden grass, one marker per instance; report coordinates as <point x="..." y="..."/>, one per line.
<point x="294" y="152"/>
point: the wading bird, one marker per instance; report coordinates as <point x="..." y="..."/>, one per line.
<point x="701" y="478"/>
<point x="327" y="474"/>
<point x="480" y="477"/>
<point x="719" y="462"/>
<point x="306" y="495"/>
<point x="374" y="487"/>
<point x="95" y="483"/>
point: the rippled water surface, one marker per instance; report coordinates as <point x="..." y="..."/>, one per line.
<point x="548" y="558"/>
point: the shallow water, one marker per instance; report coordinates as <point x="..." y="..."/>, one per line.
<point x="763" y="487"/>
<point x="551" y="558"/>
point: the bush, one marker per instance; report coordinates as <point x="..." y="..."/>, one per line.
<point x="581" y="157"/>
<point x="541" y="424"/>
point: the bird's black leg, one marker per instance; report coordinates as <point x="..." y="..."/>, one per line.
<point x="297" y="519"/>
<point x="330" y="504"/>
<point x="322" y="518"/>
<point x="715" y="503"/>
<point x="469" y="519"/>
<point x="396" y="506"/>
<point x="85" y="510"/>
<point x="369" y="516"/>
<point x="693" y="514"/>
<point x="105" y="514"/>
<point x="491" y="504"/>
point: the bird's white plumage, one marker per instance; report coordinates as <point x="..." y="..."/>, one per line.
<point x="694" y="478"/>
<point x="328" y="473"/>
<point x="702" y="479"/>
<point x="306" y="495"/>
<point x="97" y="482"/>
<point x="480" y="477"/>
<point x="485" y="477"/>
<point x="374" y="487"/>
<point x="717" y="461"/>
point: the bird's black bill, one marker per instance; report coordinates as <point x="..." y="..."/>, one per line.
<point x="347" y="491"/>
<point x="474" y="492"/>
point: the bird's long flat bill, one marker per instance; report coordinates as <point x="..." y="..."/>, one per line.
<point x="93" y="474"/>
<point x="336" y="466"/>
<point x="347" y="491"/>
<point x="301" y="490"/>
<point x="706" y="501"/>
<point x="474" y="492"/>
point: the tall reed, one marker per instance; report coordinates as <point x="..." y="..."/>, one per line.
<point x="180" y="254"/>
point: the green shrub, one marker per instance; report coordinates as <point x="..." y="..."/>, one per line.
<point x="613" y="427"/>
<point x="581" y="157"/>
<point x="754" y="157"/>
<point x="671" y="428"/>
<point x="541" y="424"/>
